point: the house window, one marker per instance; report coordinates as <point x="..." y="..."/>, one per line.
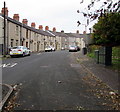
<point x="27" y="44"/>
<point x="17" y="30"/>
<point x="16" y="42"/>
<point x="27" y="34"/>
<point x="30" y="34"/>
<point x="12" y="42"/>
<point x="22" y="43"/>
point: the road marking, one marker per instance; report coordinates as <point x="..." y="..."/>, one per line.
<point x="38" y="53"/>
<point x="9" y="65"/>
<point x="13" y="64"/>
<point x="6" y="65"/>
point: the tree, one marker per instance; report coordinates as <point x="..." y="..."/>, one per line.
<point x="107" y="30"/>
<point x="105" y="7"/>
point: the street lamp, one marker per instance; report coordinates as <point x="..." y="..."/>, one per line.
<point x="85" y="27"/>
<point x="4" y="50"/>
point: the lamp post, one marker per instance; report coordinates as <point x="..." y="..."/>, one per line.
<point x="4" y="46"/>
<point x="85" y="27"/>
<point x="85" y="34"/>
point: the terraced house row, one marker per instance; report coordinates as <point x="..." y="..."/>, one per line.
<point x="36" y="39"/>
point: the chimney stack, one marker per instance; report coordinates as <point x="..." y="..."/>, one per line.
<point x="16" y="17"/>
<point x="33" y="24"/>
<point x="62" y="31"/>
<point x="77" y="31"/>
<point x="84" y="32"/>
<point x="40" y="27"/>
<point x="6" y="11"/>
<point x="46" y="28"/>
<point x="25" y="21"/>
<point x="54" y="29"/>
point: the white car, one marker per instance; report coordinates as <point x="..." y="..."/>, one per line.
<point x="53" y="48"/>
<point x="49" y="48"/>
<point x="19" y="51"/>
<point x="73" y="48"/>
<point x="62" y="48"/>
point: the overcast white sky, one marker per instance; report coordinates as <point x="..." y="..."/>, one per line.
<point x="61" y="14"/>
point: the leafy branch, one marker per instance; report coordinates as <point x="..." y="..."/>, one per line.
<point x="108" y="6"/>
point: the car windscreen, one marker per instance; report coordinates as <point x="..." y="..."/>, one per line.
<point x="72" y="46"/>
<point x="16" y="47"/>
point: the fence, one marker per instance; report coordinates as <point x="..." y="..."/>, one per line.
<point x="103" y="55"/>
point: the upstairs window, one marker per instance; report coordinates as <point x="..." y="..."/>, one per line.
<point x="27" y="33"/>
<point x="17" y="30"/>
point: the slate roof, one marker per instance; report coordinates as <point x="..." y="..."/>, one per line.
<point x="60" y="34"/>
<point x="45" y="33"/>
<point x="76" y="35"/>
<point x="27" y="27"/>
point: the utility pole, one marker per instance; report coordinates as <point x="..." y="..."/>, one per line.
<point x="4" y="46"/>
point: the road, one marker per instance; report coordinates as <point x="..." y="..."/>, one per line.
<point x="50" y="81"/>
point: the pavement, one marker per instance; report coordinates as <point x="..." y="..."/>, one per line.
<point x="5" y="93"/>
<point x="105" y="74"/>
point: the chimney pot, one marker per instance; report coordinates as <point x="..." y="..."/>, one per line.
<point x="84" y="32"/>
<point x="46" y="28"/>
<point x="16" y="17"/>
<point x="40" y="27"/>
<point x="62" y="31"/>
<point x="25" y="21"/>
<point x="6" y="11"/>
<point x="77" y="31"/>
<point x="33" y="24"/>
<point x="54" y="29"/>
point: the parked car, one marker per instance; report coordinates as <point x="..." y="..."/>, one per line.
<point x="72" y="48"/>
<point x="62" y="48"/>
<point x="19" y="51"/>
<point x="53" y="48"/>
<point x="48" y="48"/>
<point x="78" y="48"/>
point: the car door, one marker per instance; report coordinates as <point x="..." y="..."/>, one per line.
<point x="24" y="50"/>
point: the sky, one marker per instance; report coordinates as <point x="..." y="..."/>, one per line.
<point x="61" y="14"/>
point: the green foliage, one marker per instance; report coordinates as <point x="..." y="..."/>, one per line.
<point x="116" y="53"/>
<point x="116" y="58"/>
<point x="92" y="49"/>
<point x="107" y="30"/>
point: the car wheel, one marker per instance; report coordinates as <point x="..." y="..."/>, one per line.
<point x="29" y="54"/>
<point x="23" y="54"/>
<point x="12" y="56"/>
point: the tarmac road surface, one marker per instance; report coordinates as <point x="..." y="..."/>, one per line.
<point x="50" y="81"/>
